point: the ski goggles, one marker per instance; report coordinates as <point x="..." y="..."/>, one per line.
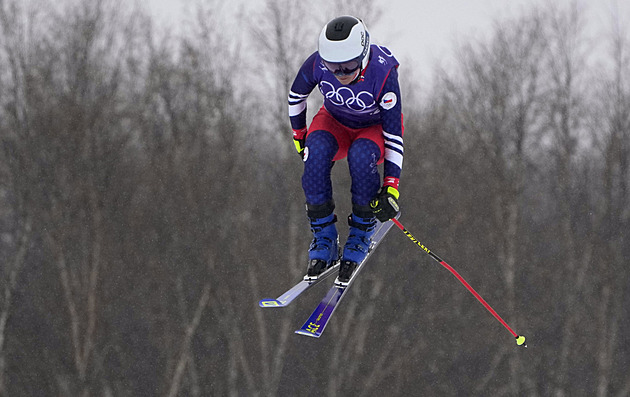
<point x="343" y="68"/>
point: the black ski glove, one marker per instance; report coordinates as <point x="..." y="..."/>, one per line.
<point x="299" y="139"/>
<point x="299" y="146"/>
<point x="385" y="204"/>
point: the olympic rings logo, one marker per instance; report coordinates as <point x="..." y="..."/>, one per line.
<point x="361" y="101"/>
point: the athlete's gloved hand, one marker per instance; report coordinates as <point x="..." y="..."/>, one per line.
<point x="299" y="139"/>
<point x="299" y="146"/>
<point x="385" y="204"/>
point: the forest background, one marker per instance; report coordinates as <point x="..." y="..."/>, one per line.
<point x="150" y="196"/>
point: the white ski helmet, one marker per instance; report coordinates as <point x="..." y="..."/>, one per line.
<point x="344" y="45"/>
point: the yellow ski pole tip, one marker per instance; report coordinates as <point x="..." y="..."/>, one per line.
<point x="520" y="340"/>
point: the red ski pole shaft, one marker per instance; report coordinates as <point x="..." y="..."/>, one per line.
<point x="520" y="340"/>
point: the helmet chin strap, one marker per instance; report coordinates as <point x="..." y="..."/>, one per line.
<point x="360" y="74"/>
<point x="357" y="77"/>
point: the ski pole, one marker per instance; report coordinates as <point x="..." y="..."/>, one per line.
<point x="520" y="339"/>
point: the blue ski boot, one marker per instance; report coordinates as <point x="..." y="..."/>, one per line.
<point x="324" y="250"/>
<point x="362" y="227"/>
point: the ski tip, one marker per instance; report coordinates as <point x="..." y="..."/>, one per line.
<point x="270" y="303"/>
<point x="307" y="333"/>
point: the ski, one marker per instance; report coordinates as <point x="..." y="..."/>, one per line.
<point x="288" y="297"/>
<point x="317" y="322"/>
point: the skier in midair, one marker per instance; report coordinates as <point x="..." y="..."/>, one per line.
<point x="361" y="119"/>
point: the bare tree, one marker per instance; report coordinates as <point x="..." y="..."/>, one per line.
<point x="65" y="95"/>
<point x="566" y="93"/>
<point x="497" y="103"/>
<point x="611" y="131"/>
<point x="281" y="33"/>
<point x="16" y="221"/>
<point x="13" y="263"/>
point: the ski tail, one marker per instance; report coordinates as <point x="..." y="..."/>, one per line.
<point x="295" y="291"/>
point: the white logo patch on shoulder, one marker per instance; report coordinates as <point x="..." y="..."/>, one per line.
<point x="389" y="100"/>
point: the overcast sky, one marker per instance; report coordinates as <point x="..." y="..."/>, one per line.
<point x="422" y="32"/>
